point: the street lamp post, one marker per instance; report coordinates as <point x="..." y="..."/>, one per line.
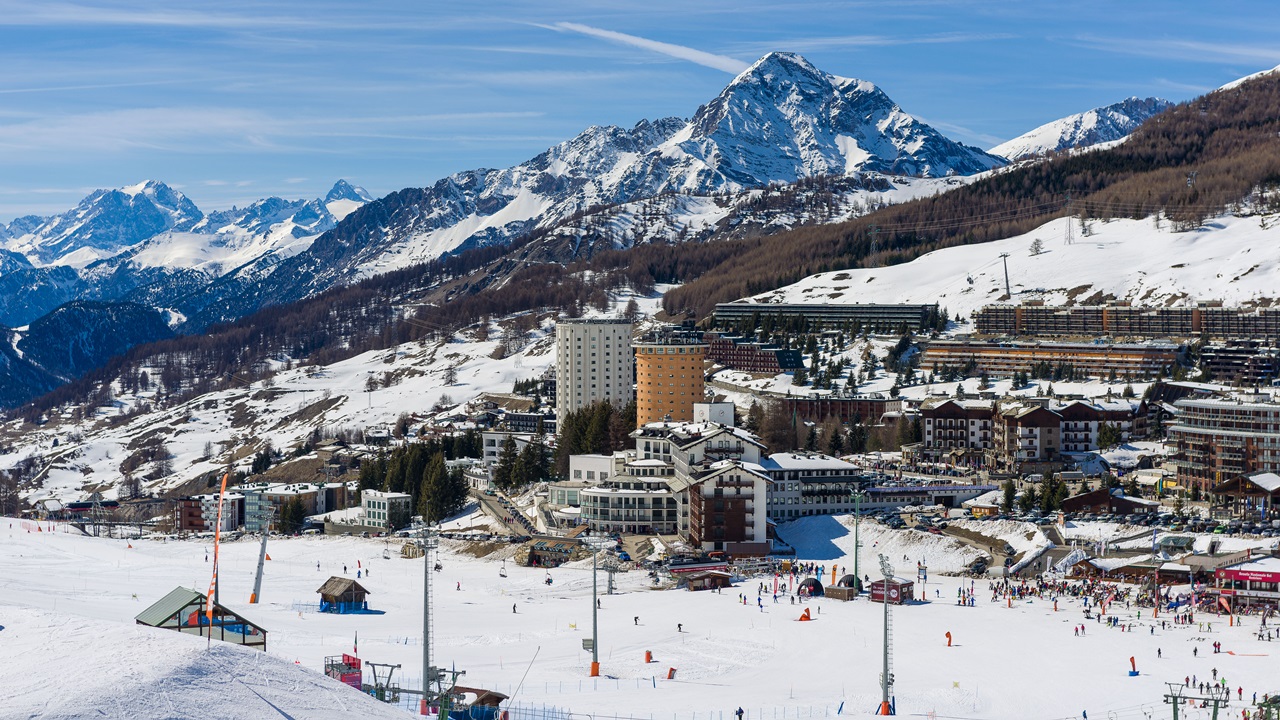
<point x="886" y="679"/>
<point x="858" y="496"/>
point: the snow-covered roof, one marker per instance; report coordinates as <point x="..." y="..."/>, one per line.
<point x="1268" y="481"/>
<point x="806" y="461"/>
<point x="986" y="499"/>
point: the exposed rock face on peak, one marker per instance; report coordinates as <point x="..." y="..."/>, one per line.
<point x="783" y="119"/>
<point x="1099" y="125"/>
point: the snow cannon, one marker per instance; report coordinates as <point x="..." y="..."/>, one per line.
<point x="1134" y="665"/>
<point x="948" y="638"/>
<point x="804" y="617"/>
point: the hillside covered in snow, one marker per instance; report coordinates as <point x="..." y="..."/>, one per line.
<point x="1230" y="258"/>
<point x="1092" y="127"/>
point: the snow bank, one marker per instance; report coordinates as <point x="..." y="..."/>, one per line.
<point x="826" y="538"/>
<point x="130" y="671"/>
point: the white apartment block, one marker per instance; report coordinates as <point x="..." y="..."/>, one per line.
<point x="594" y="363"/>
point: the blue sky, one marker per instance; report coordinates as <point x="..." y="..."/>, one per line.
<point x="232" y="101"/>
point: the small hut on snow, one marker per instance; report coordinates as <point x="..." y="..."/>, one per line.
<point x="343" y="595"/>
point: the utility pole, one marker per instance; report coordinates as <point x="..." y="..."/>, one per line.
<point x="886" y="679"/>
<point x="428" y="671"/>
<point x="1070" y="236"/>
<point x="595" y="608"/>
<point x="1007" y="291"/>
<point x="858" y="496"/>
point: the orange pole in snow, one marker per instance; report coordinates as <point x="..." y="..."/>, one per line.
<point x="948" y="638"/>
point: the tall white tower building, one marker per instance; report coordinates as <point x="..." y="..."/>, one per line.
<point x="594" y="363"/>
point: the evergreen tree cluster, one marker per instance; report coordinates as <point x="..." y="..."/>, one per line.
<point x="419" y="470"/>
<point x="598" y="429"/>
<point x="518" y="469"/>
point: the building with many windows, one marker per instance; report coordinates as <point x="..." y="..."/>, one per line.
<point x="956" y="424"/>
<point x="1003" y="359"/>
<point x="669" y="377"/>
<point x="636" y="500"/>
<point x="808" y="483"/>
<point x="726" y="504"/>
<point x="1219" y="438"/>
<point x="1205" y="319"/>
<point x="385" y="510"/>
<point x="739" y="353"/>
<point x="875" y="317"/>
<point x="593" y="363"/>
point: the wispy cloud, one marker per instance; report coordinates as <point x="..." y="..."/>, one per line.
<point x="812" y="44"/>
<point x="1184" y="50"/>
<point x="711" y="60"/>
<point x="102" y="86"/>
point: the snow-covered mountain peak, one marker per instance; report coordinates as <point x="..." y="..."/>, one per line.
<point x="343" y="190"/>
<point x="783" y="119"/>
<point x="1099" y="125"/>
<point x="107" y="221"/>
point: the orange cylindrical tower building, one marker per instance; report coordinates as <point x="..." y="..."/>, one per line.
<point x="669" y="377"/>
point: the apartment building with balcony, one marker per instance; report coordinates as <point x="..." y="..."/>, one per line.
<point x="1003" y="359"/>
<point x="1082" y="422"/>
<point x="727" y="507"/>
<point x="670" y="376"/>
<point x="869" y="408"/>
<point x="1221" y="437"/>
<point x="739" y="353"/>
<point x="593" y="363"/>
<point x="1205" y="319"/>
<point x="956" y="424"/>
<point x="232" y="511"/>
<point x="1025" y="438"/>
<point x="638" y="499"/>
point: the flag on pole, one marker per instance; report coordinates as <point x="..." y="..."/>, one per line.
<point x="217" y="535"/>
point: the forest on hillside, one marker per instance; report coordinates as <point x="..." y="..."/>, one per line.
<point x="1188" y="164"/>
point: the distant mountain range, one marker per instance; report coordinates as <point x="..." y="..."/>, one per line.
<point x="784" y="144"/>
<point x="1093" y="127"/>
<point x="149" y="243"/>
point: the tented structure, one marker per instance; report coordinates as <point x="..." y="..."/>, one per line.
<point x="184" y="610"/>
<point x="811" y="587"/>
